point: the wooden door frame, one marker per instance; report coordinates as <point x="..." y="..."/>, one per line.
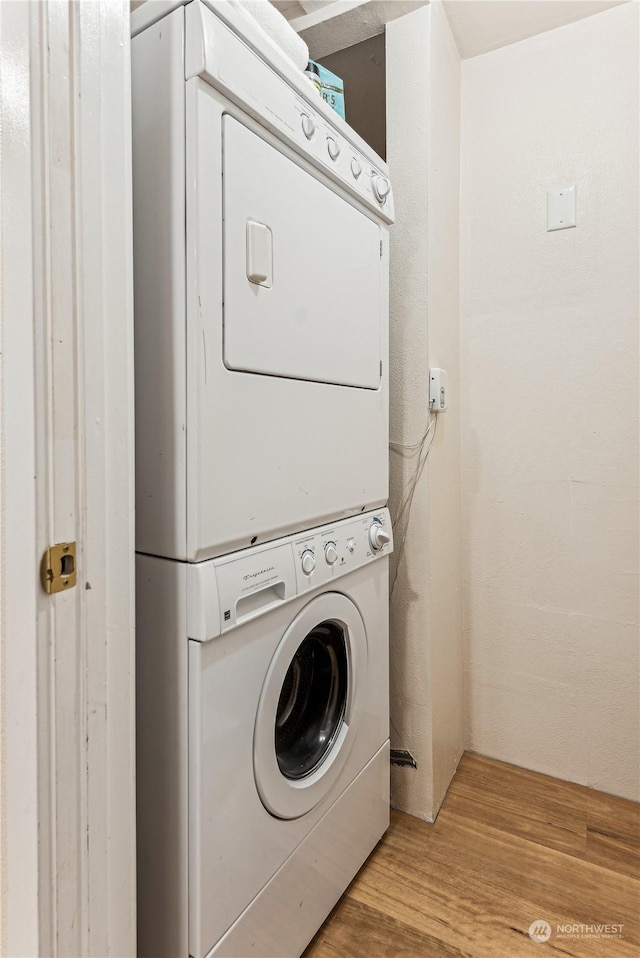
<point x="67" y="768"/>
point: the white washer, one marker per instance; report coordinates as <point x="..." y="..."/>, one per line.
<point x="261" y="292"/>
<point x="263" y="769"/>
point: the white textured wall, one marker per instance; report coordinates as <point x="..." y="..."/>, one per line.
<point x="550" y="403"/>
<point x="443" y="321"/>
<point x="407" y="47"/>
<point x="423" y="73"/>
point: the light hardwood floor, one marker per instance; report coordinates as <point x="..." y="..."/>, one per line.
<point x="509" y="847"/>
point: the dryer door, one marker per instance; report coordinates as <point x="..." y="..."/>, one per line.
<point x="310" y="706"/>
<point x="302" y="271"/>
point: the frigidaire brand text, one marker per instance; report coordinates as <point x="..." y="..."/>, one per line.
<point x="254" y="575"/>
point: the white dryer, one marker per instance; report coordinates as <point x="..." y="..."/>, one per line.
<point x="261" y="292"/>
<point x="263" y="759"/>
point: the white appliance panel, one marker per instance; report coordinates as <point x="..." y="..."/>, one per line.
<point x="313" y="467"/>
<point x="314" y="877"/>
<point x="202" y="427"/>
<point x="158" y="120"/>
<point x="199" y="705"/>
<point x="235" y="844"/>
<point x="302" y="296"/>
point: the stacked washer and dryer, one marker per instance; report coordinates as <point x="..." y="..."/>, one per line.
<point x="261" y="323"/>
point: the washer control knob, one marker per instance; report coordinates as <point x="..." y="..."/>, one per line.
<point x="356" y="167"/>
<point x="333" y="148"/>
<point x="308" y="126"/>
<point x="351" y="544"/>
<point x="330" y="553"/>
<point x="378" y="537"/>
<point x="308" y="562"/>
<point x="381" y="187"/>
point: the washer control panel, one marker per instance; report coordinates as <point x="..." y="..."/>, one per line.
<point x="331" y="553"/>
<point x="223" y="593"/>
<point x="378" y="536"/>
<point x="308" y="561"/>
<point x="324" y="554"/>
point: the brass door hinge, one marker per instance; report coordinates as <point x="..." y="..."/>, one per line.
<point x="58" y="569"/>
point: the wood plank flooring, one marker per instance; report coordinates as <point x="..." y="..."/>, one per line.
<point x="509" y="847"/>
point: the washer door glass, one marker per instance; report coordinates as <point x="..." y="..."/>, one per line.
<point x="310" y="706"/>
<point x="313" y="701"/>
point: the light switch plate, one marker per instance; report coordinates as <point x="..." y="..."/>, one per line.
<point x="561" y="208"/>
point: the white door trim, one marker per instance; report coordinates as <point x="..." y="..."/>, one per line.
<point x="18" y="663"/>
<point x="68" y="770"/>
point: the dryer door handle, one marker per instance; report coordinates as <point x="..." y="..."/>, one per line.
<point x="259" y="254"/>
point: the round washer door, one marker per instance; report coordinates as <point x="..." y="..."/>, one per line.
<point x="310" y="706"/>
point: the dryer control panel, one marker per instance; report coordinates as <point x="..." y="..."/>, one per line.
<point x="341" y="159"/>
<point x="223" y="593"/>
<point x="220" y="49"/>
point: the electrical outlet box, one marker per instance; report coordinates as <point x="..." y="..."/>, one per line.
<point x="438" y="390"/>
<point x="561" y="208"/>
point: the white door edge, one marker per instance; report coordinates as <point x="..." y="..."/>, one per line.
<point x="18" y="696"/>
<point x="68" y="766"/>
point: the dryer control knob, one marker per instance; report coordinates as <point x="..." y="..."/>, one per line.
<point x="356" y="167"/>
<point x="381" y="187"/>
<point x="308" y="126"/>
<point x="331" y="553"/>
<point x="378" y="537"/>
<point x="308" y="562"/>
<point x="333" y="148"/>
<point x="351" y="544"/>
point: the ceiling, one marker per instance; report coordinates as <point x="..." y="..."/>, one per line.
<point x="327" y="26"/>
<point x="482" y="25"/>
<point x="293" y="8"/>
<point x="477" y="25"/>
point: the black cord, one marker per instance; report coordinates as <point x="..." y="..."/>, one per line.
<point x="407" y="499"/>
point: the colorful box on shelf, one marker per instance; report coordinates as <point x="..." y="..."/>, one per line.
<point x="331" y="87"/>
